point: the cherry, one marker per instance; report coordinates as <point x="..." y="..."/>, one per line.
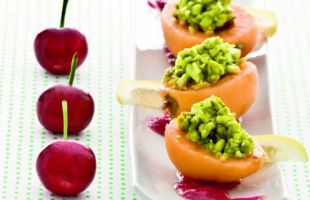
<point x="80" y="106"/>
<point x="55" y="47"/>
<point x="66" y="167"/>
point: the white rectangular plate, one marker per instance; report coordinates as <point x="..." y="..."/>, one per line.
<point x="153" y="173"/>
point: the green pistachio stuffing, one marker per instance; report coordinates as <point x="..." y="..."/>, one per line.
<point x="210" y="123"/>
<point x="203" y="15"/>
<point x="203" y="64"/>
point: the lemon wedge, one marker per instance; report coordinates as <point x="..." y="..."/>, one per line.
<point x="266" y="21"/>
<point x="140" y="92"/>
<point x="282" y="148"/>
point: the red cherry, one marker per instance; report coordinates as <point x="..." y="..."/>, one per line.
<point x="80" y="108"/>
<point x="54" y="49"/>
<point x="80" y="111"/>
<point x="66" y="167"/>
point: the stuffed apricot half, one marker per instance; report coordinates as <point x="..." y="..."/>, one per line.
<point x="189" y="22"/>
<point x="211" y="68"/>
<point x="209" y="144"/>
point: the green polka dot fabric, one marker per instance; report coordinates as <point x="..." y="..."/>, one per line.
<point x="108" y="28"/>
<point x="288" y="54"/>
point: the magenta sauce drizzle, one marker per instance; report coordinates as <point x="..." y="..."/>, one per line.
<point x="169" y="55"/>
<point x="157" y="4"/>
<point x="158" y="124"/>
<point x="151" y="4"/>
<point x="197" y="190"/>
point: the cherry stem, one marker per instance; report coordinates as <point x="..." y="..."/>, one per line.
<point x="63" y="13"/>
<point x="64" y="105"/>
<point x="73" y="68"/>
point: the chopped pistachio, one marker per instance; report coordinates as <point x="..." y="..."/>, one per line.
<point x="203" y="15"/>
<point x="203" y="64"/>
<point x="211" y="124"/>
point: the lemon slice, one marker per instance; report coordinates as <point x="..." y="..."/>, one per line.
<point x="282" y="148"/>
<point x="266" y="20"/>
<point x="145" y="93"/>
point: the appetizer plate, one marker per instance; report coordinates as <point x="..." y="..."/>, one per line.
<point x="153" y="173"/>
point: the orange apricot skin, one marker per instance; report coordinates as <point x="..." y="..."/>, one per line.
<point x="243" y="33"/>
<point x="196" y="162"/>
<point x="238" y="92"/>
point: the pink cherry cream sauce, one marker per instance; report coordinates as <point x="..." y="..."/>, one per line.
<point x="196" y="190"/>
<point x="158" y="124"/>
<point x="157" y="4"/>
<point x="191" y="189"/>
